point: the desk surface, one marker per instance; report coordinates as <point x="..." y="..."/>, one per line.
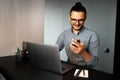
<point x="24" y="71"/>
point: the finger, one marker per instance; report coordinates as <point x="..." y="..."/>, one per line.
<point x="82" y="44"/>
<point x="74" y="41"/>
<point x="74" y="44"/>
<point x="73" y="47"/>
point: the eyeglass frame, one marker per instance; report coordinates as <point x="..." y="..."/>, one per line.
<point x="77" y="20"/>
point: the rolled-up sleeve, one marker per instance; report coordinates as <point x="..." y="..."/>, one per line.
<point x="93" y="50"/>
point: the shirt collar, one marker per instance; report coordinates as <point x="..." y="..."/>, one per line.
<point x="81" y="29"/>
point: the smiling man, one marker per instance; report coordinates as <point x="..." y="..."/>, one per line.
<point x="81" y="44"/>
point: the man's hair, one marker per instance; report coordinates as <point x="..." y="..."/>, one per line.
<point x="78" y="7"/>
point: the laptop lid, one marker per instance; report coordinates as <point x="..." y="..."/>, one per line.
<point x="46" y="57"/>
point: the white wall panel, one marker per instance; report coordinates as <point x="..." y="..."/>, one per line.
<point x="20" y="20"/>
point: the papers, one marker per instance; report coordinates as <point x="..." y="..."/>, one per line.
<point x="81" y="73"/>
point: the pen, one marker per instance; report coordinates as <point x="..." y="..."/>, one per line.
<point x="83" y="72"/>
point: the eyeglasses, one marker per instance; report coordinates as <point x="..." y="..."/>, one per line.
<point x="77" y="20"/>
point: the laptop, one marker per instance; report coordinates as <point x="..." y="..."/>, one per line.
<point x="47" y="57"/>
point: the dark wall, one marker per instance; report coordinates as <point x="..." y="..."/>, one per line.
<point x="117" y="44"/>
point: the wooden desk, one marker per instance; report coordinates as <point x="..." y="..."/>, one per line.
<point x="24" y="71"/>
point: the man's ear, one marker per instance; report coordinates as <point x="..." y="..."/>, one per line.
<point x="85" y="18"/>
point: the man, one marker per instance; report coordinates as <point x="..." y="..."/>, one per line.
<point x="81" y="44"/>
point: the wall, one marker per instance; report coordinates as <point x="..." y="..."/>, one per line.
<point x="20" y="20"/>
<point x="54" y="12"/>
<point x="101" y="18"/>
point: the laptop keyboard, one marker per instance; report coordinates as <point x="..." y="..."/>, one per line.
<point x="66" y="67"/>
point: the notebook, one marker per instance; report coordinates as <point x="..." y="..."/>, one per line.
<point x="47" y="57"/>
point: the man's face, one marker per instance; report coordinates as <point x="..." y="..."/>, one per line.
<point x="77" y="20"/>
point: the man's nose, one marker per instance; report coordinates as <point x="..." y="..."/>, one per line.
<point x="77" y="22"/>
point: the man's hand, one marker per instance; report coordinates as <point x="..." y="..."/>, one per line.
<point x="76" y="46"/>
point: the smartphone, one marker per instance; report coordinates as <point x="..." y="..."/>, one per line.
<point x="78" y="40"/>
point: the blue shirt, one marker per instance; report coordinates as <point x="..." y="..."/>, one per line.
<point x="86" y="36"/>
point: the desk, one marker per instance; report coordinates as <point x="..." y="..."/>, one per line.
<point x="24" y="71"/>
